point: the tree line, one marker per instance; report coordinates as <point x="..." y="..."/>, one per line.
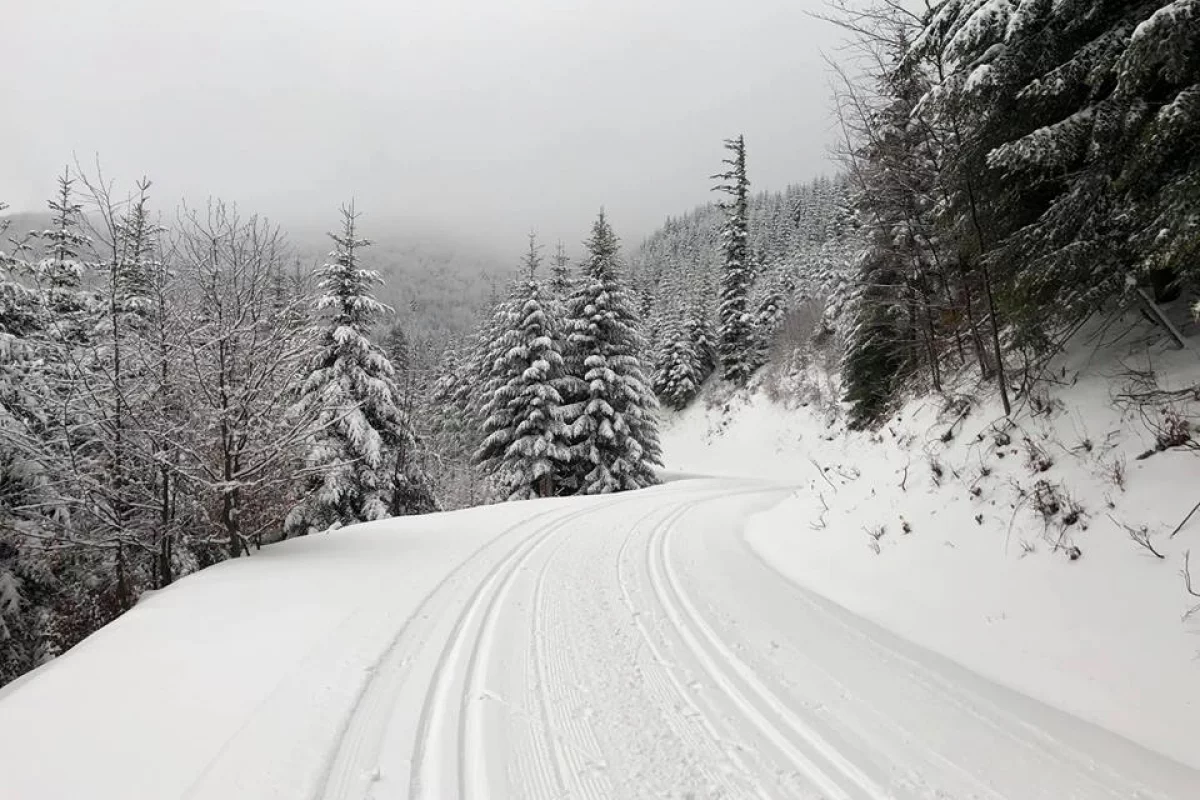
<point x="550" y="398"/>
<point x="1018" y="167"/>
<point x="1011" y="169"/>
<point x="174" y="396"/>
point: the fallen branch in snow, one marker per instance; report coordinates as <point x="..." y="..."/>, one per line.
<point x="1159" y="317"/>
<point x="876" y="534"/>
<point x="1139" y="535"/>
<point x="1179" y="527"/>
<point x="1187" y="582"/>
<point x="823" y="475"/>
<point x="820" y="526"/>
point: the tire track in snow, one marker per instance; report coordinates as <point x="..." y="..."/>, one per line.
<point x="828" y="770"/>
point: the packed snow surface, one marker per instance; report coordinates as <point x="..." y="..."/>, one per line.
<point x="1001" y="543"/>
<point x="626" y="646"/>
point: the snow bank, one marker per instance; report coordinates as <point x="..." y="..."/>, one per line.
<point x="965" y="564"/>
<point x="275" y="648"/>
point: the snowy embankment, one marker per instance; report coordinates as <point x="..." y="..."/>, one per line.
<point x="931" y="528"/>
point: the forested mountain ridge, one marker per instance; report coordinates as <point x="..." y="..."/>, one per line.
<point x="801" y="243"/>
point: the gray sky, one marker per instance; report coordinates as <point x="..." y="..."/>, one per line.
<point x="484" y="117"/>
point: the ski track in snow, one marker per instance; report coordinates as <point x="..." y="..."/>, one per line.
<point x="356" y="755"/>
<point x="826" y="768"/>
<point x="634" y="646"/>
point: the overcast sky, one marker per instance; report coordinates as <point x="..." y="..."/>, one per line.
<point x="484" y="117"/>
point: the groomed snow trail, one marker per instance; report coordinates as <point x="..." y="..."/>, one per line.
<point x="637" y="648"/>
<point x="630" y="646"/>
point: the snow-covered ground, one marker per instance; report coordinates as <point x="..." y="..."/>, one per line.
<point x="733" y="637"/>
<point x="963" y="563"/>
<point x="629" y="646"/>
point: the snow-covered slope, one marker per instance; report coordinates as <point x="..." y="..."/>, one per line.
<point x="931" y="529"/>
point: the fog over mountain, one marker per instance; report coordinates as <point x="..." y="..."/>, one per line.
<point x="463" y="116"/>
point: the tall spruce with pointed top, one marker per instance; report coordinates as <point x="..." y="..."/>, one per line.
<point x="736" y="332"/>
<point x="525" y="440"/>
<point x="609" y="405"/>
<point x="360" y="432"/>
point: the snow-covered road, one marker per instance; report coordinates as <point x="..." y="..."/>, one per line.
<point x="630" y="646"/>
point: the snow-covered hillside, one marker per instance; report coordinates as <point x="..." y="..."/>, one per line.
<point x="1009" y="548"/>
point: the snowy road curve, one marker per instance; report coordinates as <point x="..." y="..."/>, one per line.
<point x="635" y="647"/>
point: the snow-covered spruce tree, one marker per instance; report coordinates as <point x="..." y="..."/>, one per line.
<point x="395" y="347"/>
<point x="525" y="441"/>
<point x="697" y="324"/>
<point x="875" y="352"/>
<point x="736" y="334"/>
<point x="72" y="463"/>
<point x="60" y="272"/>
<point x="25" y="488"/>
<point x="770" y="306"/>
<point x="608" y="403"/>
<point x="350" y="392"/>
<point x="676" y="378"/>
<point x="1074" y="164"/>
<point x="892" y="159"/>
<point x="560" y="273"/>
<point x="682" y="353"/>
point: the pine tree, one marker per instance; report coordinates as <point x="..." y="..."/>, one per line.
<point x="1072" y="166"/>
<point x="525" y="440"/>
<point x="894" y="158"/>
<point x="395" y="347"/>
<point x="60" y="273"/>
<point x="351" y="393"/>
<point x="698" y="326"/>
<point x="769" y="311"/>
<point x="608" y="405"/>
<point x="560" y="273"/>
<point x="676" y="378"/>
<point x="23" y="479"/>
<point x="736" y="334"/>
<point x="875" y="354"/>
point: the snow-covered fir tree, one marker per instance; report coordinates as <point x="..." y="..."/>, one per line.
<point x="1073" y="169"/>
<point x="560" y="273"/>
<point x="395" y="347"/>
<point x="677" y="375"/>
<point x="903" y="292"/>
<point x="770" y="305"/>
<point x="24" y="567"/>
<point x="360" y="430"/>
<point x="699" y="333"/>
<point x="525" y="442"/>
<point x="609" y="405"/>
<point x="60" y="271"/>
<point x="736" y="334"/>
